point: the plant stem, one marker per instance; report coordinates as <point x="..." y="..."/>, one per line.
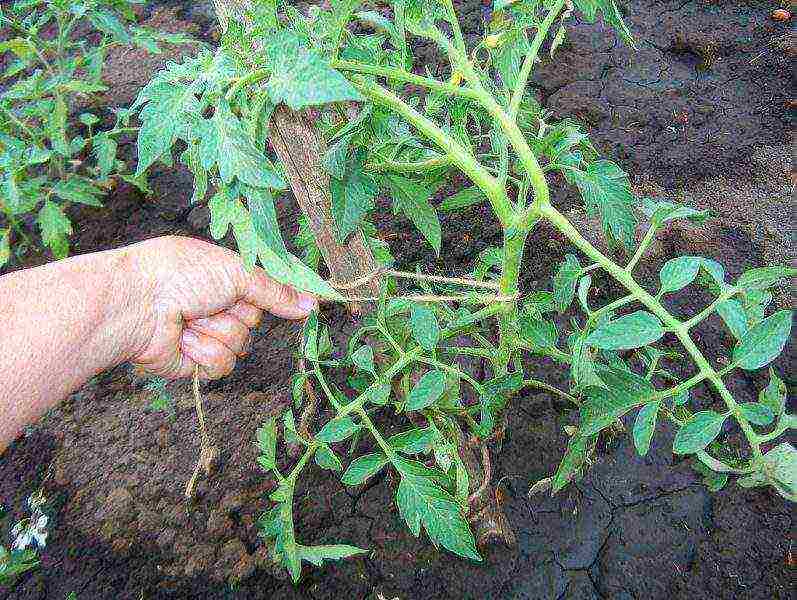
<point x="410" y="166"/>
<point x="454" y="22"/>
<point x="677" y="327"/>
<point x="649" y="236"/>
<point x="514" y="243"/>
<point x="390" y="73"/>
<point x="249" y="79"/>
<point x="531" y="56"/>
<point x="24" y="128"/>
<point x="514" y="135"/>
<point x="549" y="388"/>
<point x="725" y="295"/>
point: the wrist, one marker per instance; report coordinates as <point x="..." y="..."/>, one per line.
<point x="127" y="318"/>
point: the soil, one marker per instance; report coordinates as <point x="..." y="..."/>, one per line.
<point x="633" y="528"/>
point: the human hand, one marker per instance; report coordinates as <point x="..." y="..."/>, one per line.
<point x="196" y="305"/>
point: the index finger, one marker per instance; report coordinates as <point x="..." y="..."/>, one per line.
<point x="277" y="298"/>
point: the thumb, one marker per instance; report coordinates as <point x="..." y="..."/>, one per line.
<point x="277" y="298"/>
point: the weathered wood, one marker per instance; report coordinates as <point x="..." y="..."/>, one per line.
<point x="300" y="148"/>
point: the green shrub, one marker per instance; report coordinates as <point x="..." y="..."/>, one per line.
<point x="482" y="122"/>
<point x="50" y="157"/>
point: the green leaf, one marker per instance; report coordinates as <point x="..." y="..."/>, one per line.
<point x="364" y="467"/>
<point x="55" y="229"/>
<point x="772" y="396"/>
<point x="56" y="127"/>
<point x="732" y="313"/>
<point x="629" y="331"/>
<point x="662" y="212"/>
<point x="763" y="342"/>
<point x="541" y="334"/>
<point x="165" y="107"/>
<point x="425" y="328"/>
<point x="107" y="22"/>
<point x="77" y="190"/>
<point x="679" y="272"/>
<point x="264" y="219"/>
<point x="318" y="554"/>
<point x="266" y="437"/>
<point x="236" y="154"/>
<point x="681" y="399"/>
<point x="508" y="58"/>
<point x="463" y="199"/>
<point x="713" y="480"/>
<point x="780" y="468"/>
<point x="414" y="441"/>
<point x="335" y="161"/>
<point x="380" y="394"/>
<point x="644" y="426"/>
<point x="295" y="273"/>
<point x="605" y="189"/>
<point x="412" y="199"/>
<point x="326" y="459"/>
<point x="763" y="277"/>
<point x="89" y="119"/>
<point x="352" y="198"/>
<point x="300" y="76"/>
<point x="363" y="358"/>
<point x="427" y="391"/>
<point x="758" y="414"/>
<point x="104" y="149"/>
<point x="698" y="432"/>
<point x="564" y="282"/>
<point x="422" y="503"/>
<point x="578" y="448"/>
<point x="83" y="87"/>
<point x="603" y="406"/>
<point x="337" y="430"/>
<point x="583" y="291"/>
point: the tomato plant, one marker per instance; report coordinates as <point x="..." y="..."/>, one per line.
<point x="391" y="130"/>
<point x="51" y="157"/>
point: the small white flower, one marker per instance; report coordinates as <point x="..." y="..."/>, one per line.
<point x="23" y="540"/>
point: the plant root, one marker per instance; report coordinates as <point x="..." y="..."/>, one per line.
<point x="485" y="514"/>
<point x="209" y="453"/>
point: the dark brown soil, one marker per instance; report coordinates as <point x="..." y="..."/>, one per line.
<point x="634" y="528"/>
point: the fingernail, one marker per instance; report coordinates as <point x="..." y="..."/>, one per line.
<point x="307" y="303"/>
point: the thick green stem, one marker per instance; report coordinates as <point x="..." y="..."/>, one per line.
<point x="461" y="157"/>
<point x="514" y="244"/>
<point x="514" y="135"/>
<point x="677" y="327"/>
<point x="393" y="74"/>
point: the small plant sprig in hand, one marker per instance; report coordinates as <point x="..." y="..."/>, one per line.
<point x="50" y="158"/>
<point x="406" y="360"/>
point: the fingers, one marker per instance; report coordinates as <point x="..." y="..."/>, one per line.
<point x="225" y="328"/>
<point x="215" y="360"/>
<point x="246" y="313"/>
<point x="278" y="299"/>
